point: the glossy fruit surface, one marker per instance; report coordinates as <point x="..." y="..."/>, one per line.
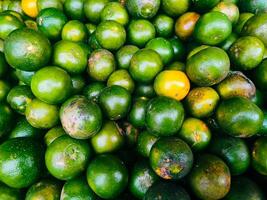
<point x="173" y="84"/>
<point x="93" y="9"/>
<point x="145" y="65"/>
<point x="233" y="151"/>
<point x="69" y="56"/>
<point x="46" y="188"/>
<point x="137" y="113"/>
<point x="217" y="181"/>
<point x="202" y="101"/>
<point x="108" y="139"/>
<point x="142" y="178"/>
<point x="239" y="117"/>
<point x="196" y="133"/>
<point x="175" y="8"/>
<point x="93" y="90"/>
<point x="121" y="78"/>
<point x="66" y="157"/>
<point x="9" y="23"/>
<point x="30" y="7"/>
<point x="124" y="55"/>
<point x="17" y="45"/>
<point x="24" y="157"/>
<point x="110" y="169"/>
<point x="164" y="116"/>
<point x="74" y="31"/>
<point x="140" y="31"/>
<point x="42" y="115"/>
<point x="115" y="102"/>
<point x="244" y="55"/>
<point x="164" y="25"/>
<point x="110" y="34"/>
<point x="178" y="155"/>
<point x="53" y="134"/>
<point x="185" y="25"/>
<point x="212" y="28"/>
<point x="51" y="85"/>
<point x="24" y="129"/>
<point x="116" y="12"/>
<point x="163" y="47"/>
<point x="50" y="22"/>
<point x="80" y="118"/>
<point x="101" y="64"/>
<point x="145" y="141"/>
<point x="217" y="66"/>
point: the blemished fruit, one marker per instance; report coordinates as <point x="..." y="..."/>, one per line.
<point x="80" y="118"/>
<point x="217" y="181"/>
<point x="66" y="157"/>
<point x="171" y="158"/>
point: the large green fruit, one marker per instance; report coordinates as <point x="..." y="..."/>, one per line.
<point x="234" y="151"/>
<point x="164" y="116"/>
<point x="239" y="117"/>
<point x="44" y="189"/>
<point x="23" y="52"/>
<point x="171" y="158"/>
<point x="80" y="117"/>
<point x="24" y="158"/>
<point x="212" y="28"/>
<point x="66" y="157"/>
<point x="207" y="72"/>
<point x="112" y="173"/>
<point x="212" y="171"/>
<point x="51" y="85"/>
